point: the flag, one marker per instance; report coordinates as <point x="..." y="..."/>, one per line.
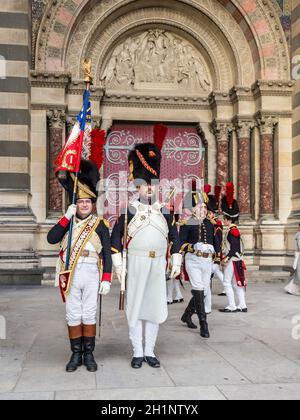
<point x="78" y="143"/>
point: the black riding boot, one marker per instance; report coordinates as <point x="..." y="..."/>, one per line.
<point x="88" y="357"/>
<point x="187" y="316"/>
<point x="76" y="358"/>
<point x="200" y="309"/>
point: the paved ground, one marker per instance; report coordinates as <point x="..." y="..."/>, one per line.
<point x="250" y="356"/>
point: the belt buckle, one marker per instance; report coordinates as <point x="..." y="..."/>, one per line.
<point x="85" y="253"/>
<point x="152" y="254"/>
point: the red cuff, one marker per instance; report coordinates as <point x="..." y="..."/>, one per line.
<point x="64" y="222"/>
<point x="106" y="277"/>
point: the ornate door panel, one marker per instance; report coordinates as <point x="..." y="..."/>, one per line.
<point x="183" y="158"/>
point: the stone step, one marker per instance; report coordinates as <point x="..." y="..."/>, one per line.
<point x="25" y="277"/>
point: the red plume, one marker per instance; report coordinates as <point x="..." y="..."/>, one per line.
<point x="218" y="190"/>
<point x="98" y="142"/>
<point x="207" y="188"/>
<point x="229" y="194"/>
<point x="160" y="132"/>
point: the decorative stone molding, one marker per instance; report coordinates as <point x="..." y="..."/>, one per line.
<point x="38" y="9"/>
<point x="240" y="93"/>
<point x="218" y="98"/>
<point x="155" y="101"/>
<point x="231" y="21"/>
<point x="77" y="87"/>
<point x="49" y="79"/>
<point x="56" y="118"/>
<point x="272" y="88"/>
<point x="200" y="29"/>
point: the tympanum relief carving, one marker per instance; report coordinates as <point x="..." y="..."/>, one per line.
<point x="156" y="60"/>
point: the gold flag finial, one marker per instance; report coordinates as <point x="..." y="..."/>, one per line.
<point x="87" y="68"/>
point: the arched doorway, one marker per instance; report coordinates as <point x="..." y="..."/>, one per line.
<point x="183" y="159"/>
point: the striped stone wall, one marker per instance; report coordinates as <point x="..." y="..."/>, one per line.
<point x="15" y="52"/>
<point x="296" y="99"/>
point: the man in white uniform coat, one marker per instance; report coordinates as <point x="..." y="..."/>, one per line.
<point x="149" y="230"/>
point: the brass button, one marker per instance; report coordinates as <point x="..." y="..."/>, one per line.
<point x="152" y="254"/>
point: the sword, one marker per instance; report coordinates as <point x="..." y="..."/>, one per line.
<point x="100" y="315"/>
<point x="124" y="261"/>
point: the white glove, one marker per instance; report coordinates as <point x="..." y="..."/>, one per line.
<point x="176" y="265"/>
<point x="104" y="288"/>
<point x="72" y="209"/>
<point x="198" y="246"/>
<point x="118" y="264"/>
<point x="118" y="271"/>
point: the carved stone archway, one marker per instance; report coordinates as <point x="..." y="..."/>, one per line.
<point x="260" y="25"/>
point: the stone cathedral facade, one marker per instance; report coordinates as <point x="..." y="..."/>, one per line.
<point x="222" y="74"/>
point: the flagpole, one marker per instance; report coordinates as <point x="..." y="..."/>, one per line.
<point x="88" y="81"/>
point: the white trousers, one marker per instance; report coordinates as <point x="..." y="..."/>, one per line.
<point x="208" y="301"/>
<point x="216" y="271"/>
<point x="136" y="338"/>
<point x="173" y="286"/>
<point x="229" y="278"/>
<point x="199" y="270"/>
<point x="81" y="302"/>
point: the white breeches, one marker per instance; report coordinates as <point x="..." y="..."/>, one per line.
<point x="229" y="278"/>
<point x="81" y="302"/>
<point x="199" y="271"/>
<point x="136" y="338"/>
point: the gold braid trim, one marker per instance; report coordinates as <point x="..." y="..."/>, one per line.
<point x="145" y="164"/>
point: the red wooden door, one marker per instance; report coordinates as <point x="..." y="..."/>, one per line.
<point x="183" y="159"/>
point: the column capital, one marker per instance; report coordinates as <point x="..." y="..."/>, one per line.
<point x="266" y="123"/>
<point x="243" y="127"/>
<point x="221" y="129"/>
<point x="106" y="124"/>
<point x="56" y="118"/>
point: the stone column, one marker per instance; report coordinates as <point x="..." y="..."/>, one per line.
<point x="243" y="129"/>
<point x="266" y="126"/>
<point x="221" y="131"/>
<point x="56" y="126"/>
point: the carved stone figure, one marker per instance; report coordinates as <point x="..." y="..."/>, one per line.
<point x="156" y="59"/>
